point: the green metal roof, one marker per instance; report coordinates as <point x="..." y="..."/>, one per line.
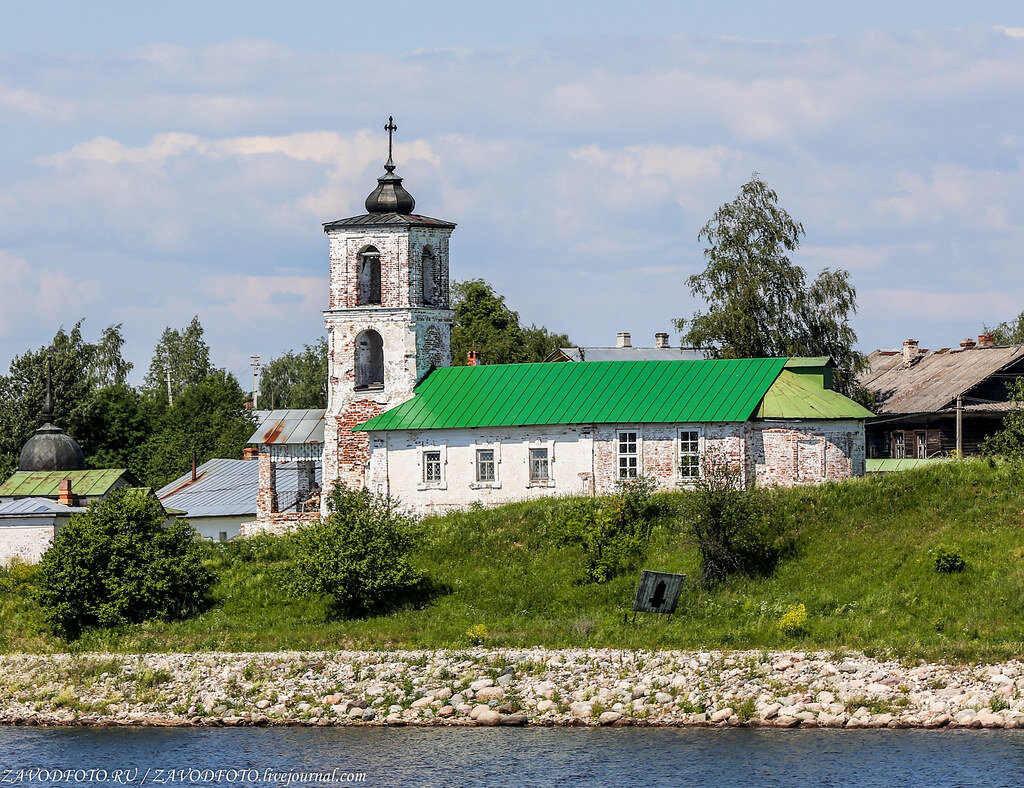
<point x="46" y="484"/>
<point x="588" y="392"/>
<point x="796" y="396"/>
<point x="887" y="465"/>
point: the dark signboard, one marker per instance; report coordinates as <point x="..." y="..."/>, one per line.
<point x="658" y="592"/>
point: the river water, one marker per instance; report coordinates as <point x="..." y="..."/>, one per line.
<point x="509" y="756"/>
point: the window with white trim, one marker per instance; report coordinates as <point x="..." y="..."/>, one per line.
<point x="629" y="457"/>
<point x="431" y="467"/>
<point x="485" y="468"/>
<point x="689" y="455"/>
<point x="540" y="467"/>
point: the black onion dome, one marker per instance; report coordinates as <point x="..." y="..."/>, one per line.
<point x="50" y="449"/>
<point x="390" y="196"/>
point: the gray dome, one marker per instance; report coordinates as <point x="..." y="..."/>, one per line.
<point x="51" y="450"/>
<point x="390" y="196"/>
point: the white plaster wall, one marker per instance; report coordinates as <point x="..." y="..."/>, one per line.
<point x="25" y="542"/>
<point x="395" y="465"/>
<point x="210" y="527"/>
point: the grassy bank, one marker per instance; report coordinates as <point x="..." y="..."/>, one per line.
<point x="864" y="569"/>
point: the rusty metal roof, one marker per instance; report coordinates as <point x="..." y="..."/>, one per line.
<point x="932" y="381"/>
<point x="388" y="220"/>
<point x="297" y="426"/>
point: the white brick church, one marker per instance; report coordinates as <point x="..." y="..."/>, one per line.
<point x="401" y="420"/>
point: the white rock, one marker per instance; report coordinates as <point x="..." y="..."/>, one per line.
<point x="722" y="715"/>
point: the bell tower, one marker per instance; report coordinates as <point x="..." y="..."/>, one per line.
<point x="388" y="321"/>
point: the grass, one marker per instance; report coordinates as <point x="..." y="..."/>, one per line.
<point x="864" y="570"/>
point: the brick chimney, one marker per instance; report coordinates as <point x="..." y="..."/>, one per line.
<point x="66" y="497"/>
<point x="623" y="340"/>
<point x="968" y="343"/>
<point x="986" y="340"/>
<point x="473" y="358"/>
<point x="909" y="350"/>
<point x="250" y="453"/>
<point x="661" y="339"/>
<point x="266" y="498"/>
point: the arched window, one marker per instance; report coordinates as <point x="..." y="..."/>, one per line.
<point x="430" y="288"/>
<point x="368" y="277"/>
<point x="369" y="360"/>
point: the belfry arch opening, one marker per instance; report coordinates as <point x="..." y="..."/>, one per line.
<point x="368" y="277"/>
<point x="369" y="361"/>
<point x="431" y="290"/>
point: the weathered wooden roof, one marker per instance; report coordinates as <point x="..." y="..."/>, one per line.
<point x="932" y="381"/>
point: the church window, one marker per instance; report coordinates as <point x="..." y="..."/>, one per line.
<point x="485" y="468"/>
<point x="369" y="361"/>
<point x="429" y="269"/>
<point x="431" y="467"/>
<point x="368" y="277"/>
<point x="539" y="467"/>
<point x="689" y="454"/>
<point x="628" y="455"/>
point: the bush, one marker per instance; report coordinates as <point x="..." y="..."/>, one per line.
<point x="357" y="555"/>
<point x="117" y="564"/>
<point x="794" y="619"/>
<point x="948" y="561"/>
<point x="734" y="529"/>
<point x="613" y="531"/>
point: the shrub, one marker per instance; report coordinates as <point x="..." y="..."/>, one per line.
<point x="358" y="555"/>
<point x="478" y="634"/>
<point x="612" y="531"/>
<point x="18" y="577"/>
<point x="734" y="529"/>
<point x="948" y="561"/>
<point x="117" y="564"/>
<point x="794" y="619"/>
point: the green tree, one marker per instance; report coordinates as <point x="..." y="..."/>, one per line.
<point x="209" y="417"/>
<point x="759" y="302"/>
<point x="79" y="371"/>
<point x="1009" y="332"/>
<point x="117" y="564"/>
<point x="1008" y="442"/>
<point x="485" y="323"/>
<point x="185" y="353"/>
<point x="296" y="380"/>
<point x="358" y="555"/>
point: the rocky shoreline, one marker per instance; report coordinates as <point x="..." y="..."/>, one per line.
<point x="508" y="687"/>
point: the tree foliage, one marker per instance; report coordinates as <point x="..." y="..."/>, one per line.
<point x="358" y="555"/>
<point x="185" y="353"/>
<point x="296" y="380"/>
<point x="116" y="564"/>
<point x="759" y="304"/>
<point x="1009" y="332"/>
<point x="1008" y="442"/>
<point x="735" y="530"/>
<point x="485" y="323"/>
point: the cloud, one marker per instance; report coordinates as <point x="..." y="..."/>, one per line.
<point x="151" y="184"/>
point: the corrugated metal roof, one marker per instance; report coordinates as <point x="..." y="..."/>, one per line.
<point x="629" y="354"/>
<point x="796" y="396"/>
<point x="289" y="426"/>
<point x="585" y="393"/>
<point x="37" y="506"/>
<point x="228" y="487"/>
<point x="47" y="483"/>
<point x="388" y="220"/>
<point x="933" y="380"/>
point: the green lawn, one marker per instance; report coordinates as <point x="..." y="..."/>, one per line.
<point x="864" y="569"/>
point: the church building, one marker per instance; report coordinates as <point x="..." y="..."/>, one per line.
<point x="402" y="421"/>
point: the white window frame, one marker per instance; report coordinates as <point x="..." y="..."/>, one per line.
<point x="549" y="447"/>
<point x="635" y="454"/>
<point x="475" y="484"/>
<point x="698" y="454"/>
<point x="421" y="462"/>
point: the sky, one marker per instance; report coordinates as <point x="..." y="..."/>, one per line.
<point x="163" y="162"/>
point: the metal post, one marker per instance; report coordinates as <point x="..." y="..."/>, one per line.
<point x="959" y="425"/>
<point x="170" y="397"/>
<point x="255" y="363"/>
